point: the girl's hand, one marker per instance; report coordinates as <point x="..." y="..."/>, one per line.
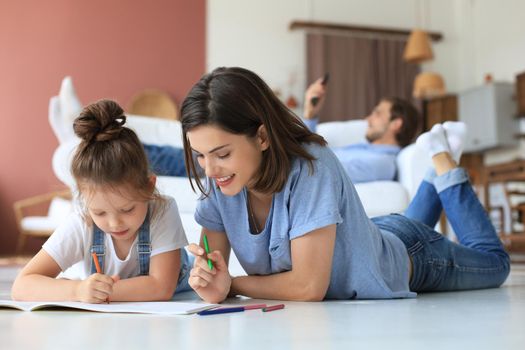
<point x="212" y="285"/>
<point x="96" y="288"/>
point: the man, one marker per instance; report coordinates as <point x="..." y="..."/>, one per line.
<point x="392" y="124"/>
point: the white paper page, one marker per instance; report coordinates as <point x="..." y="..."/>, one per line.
<point x="158" y="308"/>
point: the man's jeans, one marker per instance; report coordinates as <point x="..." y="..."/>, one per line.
<point x="478" y="261"/>
<point x="166" y="160"/>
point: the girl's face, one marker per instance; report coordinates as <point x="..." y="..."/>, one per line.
<point x="231" y="161"/>
<point x="115" y="211"/>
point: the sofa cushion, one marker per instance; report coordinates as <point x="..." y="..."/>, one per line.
<point x="343" y="133"/>
<point x="39" y="223"/>
<point x="382" y="197"/>
<point x="412" y="164"/>
<point x="180" y="189"/>
<point x="156" y="131"/>
<point x="59" y="208"/>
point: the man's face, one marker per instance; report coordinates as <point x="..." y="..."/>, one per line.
<point x="379" y="122"/>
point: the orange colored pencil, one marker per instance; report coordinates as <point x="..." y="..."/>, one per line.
<point x="95" y="260"/>
<point x="97" y="266"/>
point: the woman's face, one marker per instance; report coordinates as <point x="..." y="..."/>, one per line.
<point x="231" y="161"/>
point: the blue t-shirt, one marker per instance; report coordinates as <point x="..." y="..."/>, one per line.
<point x="363" y="161"/>
<point x="367" y="263"/>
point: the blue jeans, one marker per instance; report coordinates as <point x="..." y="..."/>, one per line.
<point x="438" y="264"/>
<point x="166" y="160"/>
<point x="186" y="264"/>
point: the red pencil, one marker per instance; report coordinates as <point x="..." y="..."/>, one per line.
<point x="254" y="306"/>
<point x="273" y="308"/>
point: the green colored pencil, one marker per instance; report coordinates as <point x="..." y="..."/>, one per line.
<point x="207" y="249"/>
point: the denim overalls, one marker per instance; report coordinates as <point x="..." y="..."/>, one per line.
<point x="144" y="252"/>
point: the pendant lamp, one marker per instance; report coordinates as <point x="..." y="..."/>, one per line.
<point x="428" y="84"/>
<point x="418" y="48"/>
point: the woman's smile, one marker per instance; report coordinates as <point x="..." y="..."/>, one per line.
<point x="224" y="181"/>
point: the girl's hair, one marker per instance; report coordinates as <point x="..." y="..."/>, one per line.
<point x="238" y="101"/>
<point x="110" y="154"/>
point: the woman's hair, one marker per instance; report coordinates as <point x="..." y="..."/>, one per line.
<point x="238" y="101"/>
<point x="110" y="154"/>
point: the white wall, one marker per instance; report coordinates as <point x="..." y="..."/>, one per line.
<point x="495" y="43"/>
<point x="254" y="34"/>
<point x="480" y="37"/>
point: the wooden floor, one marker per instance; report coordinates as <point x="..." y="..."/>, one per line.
<point x="486" y="319"/>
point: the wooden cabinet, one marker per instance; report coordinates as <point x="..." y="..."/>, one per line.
<point x="520" y="101"/>
<point x="473" y="163"/>
<point x="439" y="110"/>
<point x="520" y="93"/>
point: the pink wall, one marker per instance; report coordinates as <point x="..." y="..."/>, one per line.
<point x="111" y="49"/>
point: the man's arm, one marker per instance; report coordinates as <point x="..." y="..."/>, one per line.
<point x="311" y="124"/>
<point x="317" y="90"/>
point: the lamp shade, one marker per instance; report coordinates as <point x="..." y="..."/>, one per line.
<point x="418" y="48"/>
<point x="428" y="84"/>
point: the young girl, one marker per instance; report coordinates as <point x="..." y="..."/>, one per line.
<point x="279" y="198"/>
<point x="136" y="234"/>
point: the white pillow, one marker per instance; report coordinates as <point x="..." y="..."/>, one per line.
<point x="343" y="133"/>
<point x="59" y="207"/>
<point x="39" y="223"/>
<point x="156" y="131"/>
<point x="382" y="197"/>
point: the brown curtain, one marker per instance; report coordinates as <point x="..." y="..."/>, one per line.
<point x="362" y="71"/>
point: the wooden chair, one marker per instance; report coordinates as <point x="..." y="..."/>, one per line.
<point x="30" y="223"/>
<point x="513" y="217"/>
<point x="512" y="176"/>
<point x="154" y="103"/>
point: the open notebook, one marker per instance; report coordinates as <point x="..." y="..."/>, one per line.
<point x="157" y="308"/>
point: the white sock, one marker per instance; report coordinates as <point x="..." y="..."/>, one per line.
<point x="70" y="107"/>
<point x="456" y="133"/>
<point x="434" y="141"/>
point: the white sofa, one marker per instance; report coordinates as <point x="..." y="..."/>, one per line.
<point x="379" y="197"/>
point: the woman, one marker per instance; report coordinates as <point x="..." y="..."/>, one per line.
<point x="279" y="198"/>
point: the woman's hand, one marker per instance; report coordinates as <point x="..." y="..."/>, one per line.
<point x="96" y="289"/>
<point x="212" y="285"/>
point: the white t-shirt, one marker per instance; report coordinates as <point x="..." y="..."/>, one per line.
<point x="71" y="242"/>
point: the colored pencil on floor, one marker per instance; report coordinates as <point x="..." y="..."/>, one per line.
<point x="254" y="306"/>
<point x="222" y="310"/>
<point x="273" y="308"/>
